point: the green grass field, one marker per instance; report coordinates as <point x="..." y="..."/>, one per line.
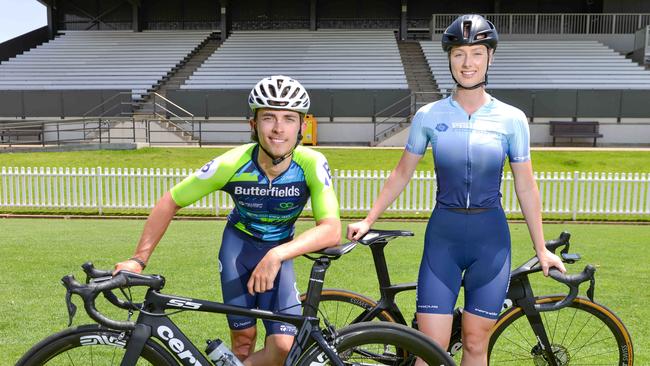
<point x="37" y="253"/>
<point x="339" y="158"/>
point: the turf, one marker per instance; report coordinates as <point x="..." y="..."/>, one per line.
<point x="37" y="253"/>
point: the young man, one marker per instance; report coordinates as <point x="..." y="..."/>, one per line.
<point x="270" y="182"/>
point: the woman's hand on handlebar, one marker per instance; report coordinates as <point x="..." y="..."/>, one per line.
<point x="357" y="230"/>
<point x="128" y="265"/>
<point x="549" y="260"/>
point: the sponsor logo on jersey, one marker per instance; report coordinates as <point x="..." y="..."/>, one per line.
<point x="441" y="127"/>
<point x="323" y="172"/>
<point x="289" y="191"/>
<point x="285" y="206"/>
<point x="208" y="169"/>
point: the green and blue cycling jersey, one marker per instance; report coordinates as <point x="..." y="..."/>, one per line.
<point x="264" y="209"/>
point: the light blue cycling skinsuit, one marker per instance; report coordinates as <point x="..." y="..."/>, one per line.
<point x="467" y="236"/>
<point x="264" y="216"/>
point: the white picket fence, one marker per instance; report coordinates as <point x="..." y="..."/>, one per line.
<point x="114" y="188"/>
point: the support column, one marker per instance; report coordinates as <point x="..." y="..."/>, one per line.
<point x="51" y="19"/>
<point x="312" y="14"/>
<point x="223" y="20"/>
<point x="403" y="26"/>
<point x="136" y="18"/>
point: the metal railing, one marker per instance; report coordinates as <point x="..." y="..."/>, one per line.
<point x="392" y="118"/>
<point x="567" y="193"/>
<point x="555" y="23"/>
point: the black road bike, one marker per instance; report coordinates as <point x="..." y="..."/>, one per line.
<point x="154" y="339"/>
<point x="552" y="330"/>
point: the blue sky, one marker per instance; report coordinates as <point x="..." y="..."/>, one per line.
<point x="20" y="16"/>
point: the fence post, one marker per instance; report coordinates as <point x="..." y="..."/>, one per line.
<point x="574" y="203"/>
<point x="100" y="191"/>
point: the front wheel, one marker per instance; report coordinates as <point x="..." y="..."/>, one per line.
<point x="91" y="345"/>
<point x="583" y="333"/>
<point x="379" y="343"/>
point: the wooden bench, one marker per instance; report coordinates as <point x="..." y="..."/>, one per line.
<point x="585" y="129"/>
<point x="14" y="135"/>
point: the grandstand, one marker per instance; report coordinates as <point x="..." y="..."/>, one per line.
<point x="112" y="60"/>
<point x="540" y="64"/>
<point x="324" y="59"/>
<point x="187" y="66"/>
<point x="350" y="73"/>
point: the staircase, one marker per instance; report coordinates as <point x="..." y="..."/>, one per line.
<point x="180" y="75"/>
<point x="418" y="74"/>
<point x="171" y="118"/>
<point x="423" y="88"/>
<point x="196" y="60"/>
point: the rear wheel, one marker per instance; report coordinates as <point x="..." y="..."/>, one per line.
<point x="342" y="308"/>
<point x="379" y="343"/>
<point x="91" y="345"/>
<point x="583" y="333"/>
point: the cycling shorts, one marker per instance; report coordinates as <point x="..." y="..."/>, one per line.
<point x="472" y="248"/>
<point x="238" y="257"/>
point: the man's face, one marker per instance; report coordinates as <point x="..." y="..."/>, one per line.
<point x="277" y="130"/>
<point x="469" y="64"/>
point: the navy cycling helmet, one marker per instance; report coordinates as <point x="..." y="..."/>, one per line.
<point x="469" y="30"/>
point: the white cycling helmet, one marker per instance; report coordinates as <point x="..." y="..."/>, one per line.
<point x="279" y="92"/>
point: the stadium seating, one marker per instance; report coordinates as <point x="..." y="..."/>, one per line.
<point x="96" y="60"/>
<point x="324" y="59"/>
<point x="549" y="65"/>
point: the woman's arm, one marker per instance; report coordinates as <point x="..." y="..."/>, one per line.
<point x="531" y="207"/>
<point x="394" y="185"/>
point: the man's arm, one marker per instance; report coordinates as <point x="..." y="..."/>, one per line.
<point x="326" y="233"/>
<point x="157" y="222"/>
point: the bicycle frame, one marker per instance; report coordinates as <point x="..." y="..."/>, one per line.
<point x="163" y="328"/>
<point x="520" y="292"/>
<point x="153" y="322"/>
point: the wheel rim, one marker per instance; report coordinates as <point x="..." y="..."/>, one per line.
<point x="580" y="334"/>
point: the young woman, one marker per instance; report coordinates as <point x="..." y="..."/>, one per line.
<point x="467" y="239"/>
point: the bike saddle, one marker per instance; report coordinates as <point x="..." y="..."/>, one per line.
<point x="373" y="235"/>
<point x="332" y="252"/>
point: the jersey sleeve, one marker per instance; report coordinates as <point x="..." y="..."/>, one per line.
<point x="209" y="178"/>
<point x="324" y="203"/>
<point x="418" y="139"/>
<point x="519" y="139"/>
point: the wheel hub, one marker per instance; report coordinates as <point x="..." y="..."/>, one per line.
<point x="560" y="353"/>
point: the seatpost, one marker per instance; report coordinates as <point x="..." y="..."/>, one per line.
<point x="315" y="287"/>
<point x="381" y="267"/>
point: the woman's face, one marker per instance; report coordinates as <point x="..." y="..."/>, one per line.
<point x="469" y="64"/>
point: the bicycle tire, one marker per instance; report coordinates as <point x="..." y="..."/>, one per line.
<point x="341" y="307"/>
<point x="583" y="333"/>
<point x="91" y="345"/>
<point x="380" y="343"/>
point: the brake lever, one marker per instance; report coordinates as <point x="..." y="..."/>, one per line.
<point x="72" y="308"/>
<point x="591" y="289"/>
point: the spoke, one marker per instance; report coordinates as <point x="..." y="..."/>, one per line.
<point x="569" y="326"/>
<point x="70" y="358"/>
<point x="522" y="336"/>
